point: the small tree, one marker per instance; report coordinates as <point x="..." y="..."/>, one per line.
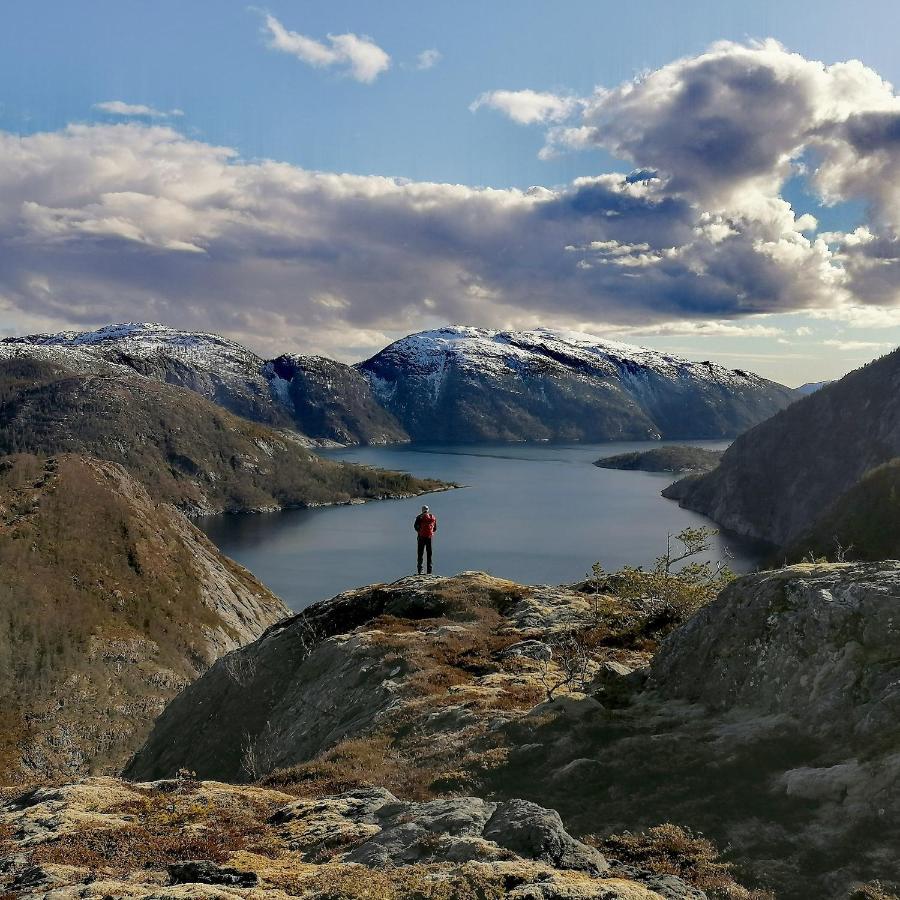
<point x="568" y="662"/>
<point x="681" y="591"/>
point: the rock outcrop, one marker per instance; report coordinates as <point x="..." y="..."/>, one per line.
<point x="439" y="652"/>
<point x="101" y="838"/>
<point x="111" y="604"/>
<point x="783" y="478"/>
<point x="767" y="722"/>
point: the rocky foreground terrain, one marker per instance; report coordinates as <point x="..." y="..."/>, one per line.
<point x="468" y="737"/>
<point x="819" y="476"/>
<point x="168" y="840"/>
<point x="768" y="722"/>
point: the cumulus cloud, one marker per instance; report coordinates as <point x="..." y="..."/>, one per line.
<point x="135" y="110"/>
<point x="138" y="221"/>
<point x="527" y="107"/>
<point x="358" y="55"/>
<point x="122" y="222"/>
<point x="728" y="126"/>
<point x="428" y="59"/>
<point x="725" y="129"/>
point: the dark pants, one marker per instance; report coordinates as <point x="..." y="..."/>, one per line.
<point x="424" y="546"/>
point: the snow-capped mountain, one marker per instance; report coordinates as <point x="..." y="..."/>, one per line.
<point x="470" y="384"/>
<point x="450" y="384"/>
<point x="220" y="370"/>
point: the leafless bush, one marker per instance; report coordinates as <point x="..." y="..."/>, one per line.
<point x="568" y="663"/>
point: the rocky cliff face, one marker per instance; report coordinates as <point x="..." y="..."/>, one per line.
<point x="471" y="384"/>
<point x="360" y="664"/>
<point x="184" y="448"/>
<point x="779" y="479"/>
<point x="111" y="604"/>
<point x="331" y="401"/>
<point x="767" y="721"/>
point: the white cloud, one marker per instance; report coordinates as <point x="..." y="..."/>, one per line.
<point x="134" y="221"/>
<point x="358" y="55"/>
<point x="527" y="107"/>
<point x="135" y="110"/>
<point x="123" y="222"/>
<point x="428" y="59"/>
<point x="716" y="329"/>
<point x="859" y="346"/>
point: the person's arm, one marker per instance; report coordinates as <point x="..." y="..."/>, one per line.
<point x="435" y="524"/>
<point x="416" y="524"/>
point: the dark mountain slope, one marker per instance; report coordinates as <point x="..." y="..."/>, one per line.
<point x="184" y="448"/>
<point x="110" y="603"/>
<point x="777" y="480"/>
<point x="470" y="384"/>
<point x="864" y="523"/>
<point x="332" y="401"/>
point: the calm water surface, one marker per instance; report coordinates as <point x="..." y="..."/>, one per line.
<point x="535" y="513"/>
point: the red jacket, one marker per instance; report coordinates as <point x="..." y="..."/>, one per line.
<point x="425" y="525"/>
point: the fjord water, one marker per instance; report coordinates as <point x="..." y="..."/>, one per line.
<point x="534" y="513"/>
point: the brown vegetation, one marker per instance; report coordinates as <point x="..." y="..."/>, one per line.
<point x="102" y="608"/>
<point x="671" y="850"/>
<point x="182" y="447"/>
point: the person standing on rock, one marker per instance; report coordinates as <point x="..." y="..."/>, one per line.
<point x="425" y="526"/>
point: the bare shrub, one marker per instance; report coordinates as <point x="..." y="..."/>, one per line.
<point x="671" y="850"/>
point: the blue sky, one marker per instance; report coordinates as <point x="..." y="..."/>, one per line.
<point x="211" y="60"/>
<point x="208" y="58"/>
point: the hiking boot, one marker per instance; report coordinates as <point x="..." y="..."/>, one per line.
<point x="419" y="570"/>
<point x="429" y="570"/>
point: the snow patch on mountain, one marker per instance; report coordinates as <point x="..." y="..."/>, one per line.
<point x="146" y="340"/>
<point x="486" y="352"/>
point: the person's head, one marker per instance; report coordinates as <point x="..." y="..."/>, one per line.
<point x="425" y="509"/>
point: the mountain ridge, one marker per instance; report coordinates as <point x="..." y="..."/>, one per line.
<point x="781" y="478"/>
<point x="463" y="383"/>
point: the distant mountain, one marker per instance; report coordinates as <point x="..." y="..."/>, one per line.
<point x="812" y="386"/>
<point x="220" y="370"/>
<point x="453" y="384"/>
<point x="809" y="465"/>
<point x="471" y="384"/>
<point x="331" y="401"/>
<point x="184" y="448"/>
<point x="325" y="400"/>
<point x="664" y="459"/>
<point x="111" y="603"/>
